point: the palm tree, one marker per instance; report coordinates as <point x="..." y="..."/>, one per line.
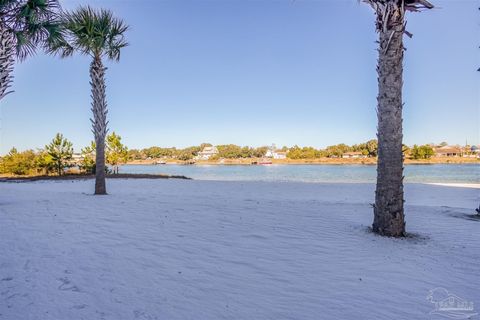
<point x="24" y="25"/>
<point x="389" y="218"/>
<point x="100" y="35"/>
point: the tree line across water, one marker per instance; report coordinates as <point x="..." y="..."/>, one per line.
<point x="58" y="155"/>
<point x="232" y="151"/>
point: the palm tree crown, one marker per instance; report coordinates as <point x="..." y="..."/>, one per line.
<point x="94" y="33"/>
<point x="30" y="23"/>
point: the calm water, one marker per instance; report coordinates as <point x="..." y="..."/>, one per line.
<point x="464" y="173"/>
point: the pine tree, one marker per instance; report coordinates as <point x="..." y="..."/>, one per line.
<point x="61" y="150"/>
<point x="117" y="153"/>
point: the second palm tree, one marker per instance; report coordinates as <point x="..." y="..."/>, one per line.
<point x="98" y="34"/>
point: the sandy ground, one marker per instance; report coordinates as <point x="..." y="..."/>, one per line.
<point x="180" y="249"/>
<point x="459" y="185"/>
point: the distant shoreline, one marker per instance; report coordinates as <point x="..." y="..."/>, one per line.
<point x="320" y="161"/>
<point x="79" y="176"/>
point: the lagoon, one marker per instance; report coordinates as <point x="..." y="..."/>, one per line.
<point x="435" y="173"/>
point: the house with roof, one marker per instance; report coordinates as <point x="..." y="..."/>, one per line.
<point x="353" y="155"/>
<point x="207" y="153"/>
<point x="280" y="155"/>
<point x="276" y="154"/>
<point x="448" y="151"/>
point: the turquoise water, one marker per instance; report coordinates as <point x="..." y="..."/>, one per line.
<point x="451" y="173"/>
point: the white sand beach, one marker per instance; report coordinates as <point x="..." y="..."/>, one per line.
<point x="459" y="185"/>
<point x="179" y="249"/>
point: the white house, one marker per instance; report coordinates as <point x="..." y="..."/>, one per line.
<point x="275" y="154"/>
<point x="353" y="155"/>
<point x="206" y="153"/>
<point x="280" y="155"/>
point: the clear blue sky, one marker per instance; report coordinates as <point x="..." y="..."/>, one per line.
<point x="254" y="73"/>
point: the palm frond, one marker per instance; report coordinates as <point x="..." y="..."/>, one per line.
<point x="417" y="5"/>
<point x="95" y="32"/>
<point x="57" y="43"/>
<point x="411" y="5"/>
<point x="30" y="23"/>
<point x="24" y="45"/>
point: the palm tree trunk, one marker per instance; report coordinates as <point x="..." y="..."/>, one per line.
<point x="388" y="209"/>
<point x="7" y="61"/>
<point x="99" y="122"/>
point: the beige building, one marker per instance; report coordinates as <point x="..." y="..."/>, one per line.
<point x="448" y="151"/>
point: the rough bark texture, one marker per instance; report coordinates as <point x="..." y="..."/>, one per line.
<point x="99" y="121"/>
<point x="7" y="61"/>
<point x="389" y="217"/>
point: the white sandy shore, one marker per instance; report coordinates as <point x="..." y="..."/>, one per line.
<point x="178" y="249"/>
<point x="458" y="185"/>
